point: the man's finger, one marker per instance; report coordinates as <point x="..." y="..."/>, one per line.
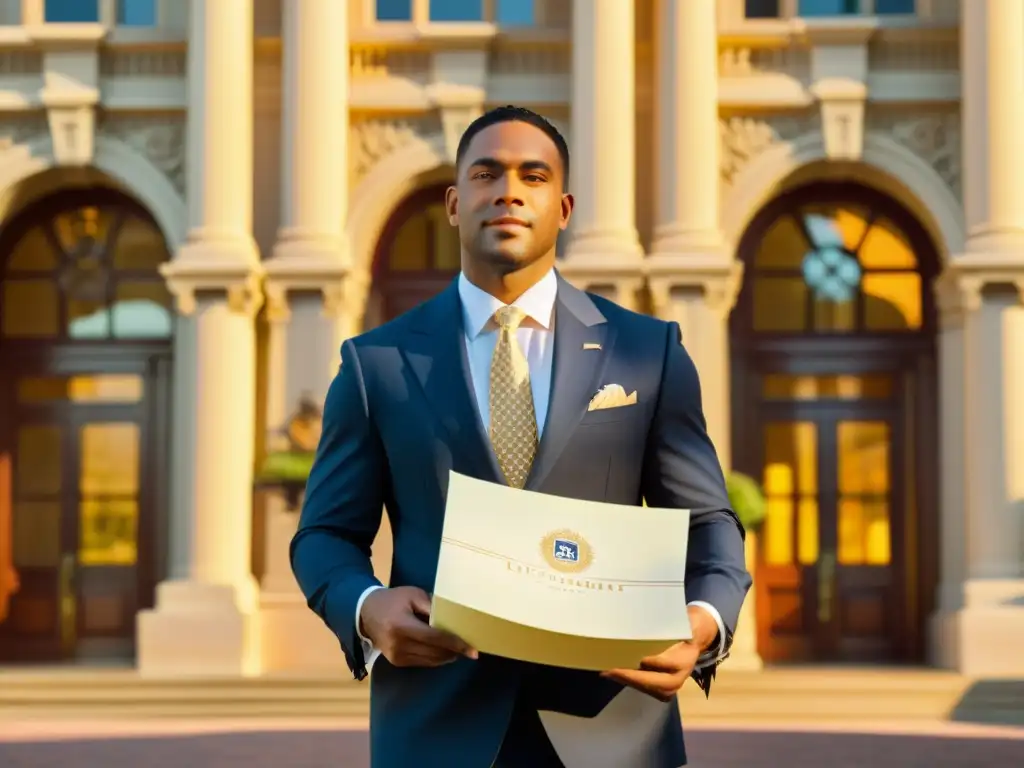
<point x="656" y="684"/>
<point x="424" y="634"/>
<point x="424" y="656"/>
<point x="421" y="603"/>
<point x="642" y="678"/>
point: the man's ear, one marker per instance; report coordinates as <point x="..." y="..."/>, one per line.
<point x="568" y="202"/>
<point x="451" y="204"/>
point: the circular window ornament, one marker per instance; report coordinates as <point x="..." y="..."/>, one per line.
<point x="832" y="273"/>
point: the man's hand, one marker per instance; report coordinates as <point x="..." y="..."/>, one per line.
<point x="663" y="675"/>
<point x="395" y="621"/>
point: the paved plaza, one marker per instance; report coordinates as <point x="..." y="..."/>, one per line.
<point x="208" y="744"/>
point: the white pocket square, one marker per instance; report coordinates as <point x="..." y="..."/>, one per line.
<point x="611" y="396"/>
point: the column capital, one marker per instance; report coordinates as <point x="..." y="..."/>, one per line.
<point x="626" y="277"/>
<point x="717" y="277"/>
<point x="958" y="290"/>
<point x="344" y="291"/>
<point x="347" y="296"/>
<point x="240" y="281"/>
<point x="276" y="306"/>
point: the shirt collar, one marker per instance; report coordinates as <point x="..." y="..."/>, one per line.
<point x="478" y="306"/>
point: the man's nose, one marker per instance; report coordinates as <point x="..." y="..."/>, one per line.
<point x="509" y="191"/>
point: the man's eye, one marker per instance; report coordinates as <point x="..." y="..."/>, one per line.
<point x="534" y="177"/>
<point x="484" y="175"/>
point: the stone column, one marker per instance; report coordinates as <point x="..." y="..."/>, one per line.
<point x="692" y="275"/>
<point x="306" y="280"/>
<point x="310" y="260"/>
<point x="604" y="253"/>
<point x="981" y="594"/>
<point x="205" y="621"/>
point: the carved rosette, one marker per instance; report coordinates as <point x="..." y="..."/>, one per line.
<point x="159" y="140"/>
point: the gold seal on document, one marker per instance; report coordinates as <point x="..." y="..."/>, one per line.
<point x="566" y="551"/>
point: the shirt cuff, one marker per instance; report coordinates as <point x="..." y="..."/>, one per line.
<point x="712" y="656"/>
<point x="370" y="652"/>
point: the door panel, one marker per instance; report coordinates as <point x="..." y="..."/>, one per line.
<point x="789" y="539"/>
<point x="34" y="628"/>
<point x="828" y="584"/>
<point x="77" y="497"/>
<point x="108" y="443"/>
<point x="866" y="580"/>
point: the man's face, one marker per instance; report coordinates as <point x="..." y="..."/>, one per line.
<point x="508" y="201"/>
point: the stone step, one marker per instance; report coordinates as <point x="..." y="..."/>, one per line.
<point x="798" y="695"/>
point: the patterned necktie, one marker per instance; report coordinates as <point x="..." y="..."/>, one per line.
<point x="513" y="420"/>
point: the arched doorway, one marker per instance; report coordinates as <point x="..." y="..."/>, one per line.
<point x="834" y="410"/>
<point x="417" y="255"/>
<point x="85" y="355"/>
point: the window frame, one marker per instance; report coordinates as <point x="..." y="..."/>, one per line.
<point x="420" y="16"/>
<point x="789" y="10"/>
<point x="33" y="12"/>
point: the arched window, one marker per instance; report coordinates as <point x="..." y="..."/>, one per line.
<point x="418" y="252"/>
<point x="83" y="266"/>
<point x="844" y="266"/>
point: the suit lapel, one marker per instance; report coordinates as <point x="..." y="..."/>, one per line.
<point x="437" y="356"/>
<point x="576" y="373"/>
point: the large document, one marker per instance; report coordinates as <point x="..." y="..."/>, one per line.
<point x="557" y="581"/>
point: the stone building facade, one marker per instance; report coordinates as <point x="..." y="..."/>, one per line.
<point x="199" y="201"/>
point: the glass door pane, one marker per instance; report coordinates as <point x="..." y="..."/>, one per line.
<point x="108" y="495"/>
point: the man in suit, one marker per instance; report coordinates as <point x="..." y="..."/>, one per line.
<point x="492" y="379"/>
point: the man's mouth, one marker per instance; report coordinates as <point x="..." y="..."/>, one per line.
<point x="506" y="222"/>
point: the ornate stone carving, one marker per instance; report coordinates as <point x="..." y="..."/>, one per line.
<point x="160" y="140"/>
<point x="454" y="122"/>
<point x="21" y="131"/>
<point x="750" y="62"/>
<point x="276" y="309"/>
<point x="372" y="140"/>
<point x="744" y="138"/>
<point x="935" y="138"/>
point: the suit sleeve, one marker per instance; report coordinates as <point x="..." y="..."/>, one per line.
<point x="682" y="471"/>
<point x="342" y="510"/>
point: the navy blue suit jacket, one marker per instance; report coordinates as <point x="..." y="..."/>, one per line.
<point x="401" y="413"/>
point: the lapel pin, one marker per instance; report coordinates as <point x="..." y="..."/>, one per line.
<point x="591" y="345"/>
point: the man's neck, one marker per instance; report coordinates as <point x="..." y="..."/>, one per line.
<point x="509" y="286"/>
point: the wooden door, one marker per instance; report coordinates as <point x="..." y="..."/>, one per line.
<point x="418" y="254"/>
<point x="830" y="571"/>
<point x="77" y="496"/>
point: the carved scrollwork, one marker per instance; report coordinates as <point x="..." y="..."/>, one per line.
<point x="22" y="131"/>
<point x="161" y="141"/>
<point x="372" y="140"/>
<point x="935" y="138"/>
<point x="744" y="138"/>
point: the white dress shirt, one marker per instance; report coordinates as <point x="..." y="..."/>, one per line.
<point x="537" y="340"/>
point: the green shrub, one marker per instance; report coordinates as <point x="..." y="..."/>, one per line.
<point x="746" y="499"/>
<point x="287" y="467"/>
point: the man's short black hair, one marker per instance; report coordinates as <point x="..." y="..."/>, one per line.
<point x="507" y="114"/>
